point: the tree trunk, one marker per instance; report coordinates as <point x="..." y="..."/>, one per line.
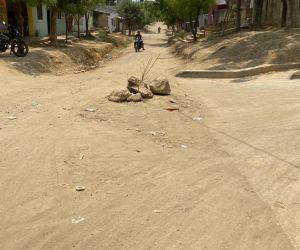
<point x="87" y="17"/>
<point x="19" y="17"/>
<point x="67" y="25"/>
<point x="258" y="5"/>
<point x="238" y="16"/>
<point x="129" y="28"/>
<point x="78" y="26"/>
<point x="123" y="27"/>
<point x="53" y="25"/>
<point x="195" y="27"/>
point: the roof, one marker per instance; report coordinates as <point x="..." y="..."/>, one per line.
<point x="105" y="9"/>
<point x="220" y="2"/>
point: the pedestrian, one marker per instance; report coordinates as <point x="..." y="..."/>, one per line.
<point x="159" y="29"/>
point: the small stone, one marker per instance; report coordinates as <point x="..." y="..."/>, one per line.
<point x="146" y="93"/>
<point x="135" y="98"/>
<point x="12" y="118"/>
<point x="80" y="188"/>
<point x="197" y="118"/>
<point x="133" y="84"/>
<point x="90" y="110"/>
<point x="119" y="95"/>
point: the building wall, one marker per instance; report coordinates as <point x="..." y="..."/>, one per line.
<point x="39" y="27"/>
<point x="61" y="24"/>
<point x="82" y="24"/>
<point x="100" y="20"/>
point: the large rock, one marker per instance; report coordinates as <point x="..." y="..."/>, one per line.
<point x="160" y="86"/>
<point x="133" y="84"/>
<point x="119" y="95"/>
<point x="135" y="98"/>
<point x="145" y="92"/>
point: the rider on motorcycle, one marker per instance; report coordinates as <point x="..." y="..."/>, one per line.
<point x="139" y="38"/>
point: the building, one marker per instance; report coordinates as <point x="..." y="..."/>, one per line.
<point x="34" y="20"/>
<point x="107" y="17"/>
<point x="82" y="25"/>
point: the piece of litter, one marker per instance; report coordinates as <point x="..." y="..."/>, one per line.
<point x="157" y="211"/>
<point x="170" y="146"/>
<point x="80" y="188"/>
<point x="90" y="110"/>
<point x="184" y="146"/>
<point x="171" y="109"/>
<point x="11" y="117"/>
<point x="172" y="101"/>
<point x="77" y="220"/>
<point x="138" y="130"/>
<point x="81" y="157"/>
<point x="153" y="133"/>
<point x="197" y="118"/>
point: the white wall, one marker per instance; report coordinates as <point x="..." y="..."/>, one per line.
<point x="40" y="27"/>
<point x="81" y="24"/>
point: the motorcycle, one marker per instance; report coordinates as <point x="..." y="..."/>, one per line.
<point x="12" y="40"/>
<point x="137" y="45"/>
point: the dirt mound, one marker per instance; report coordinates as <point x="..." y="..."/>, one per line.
<point x="76" y="56"/>
<point x="245" y="49"/>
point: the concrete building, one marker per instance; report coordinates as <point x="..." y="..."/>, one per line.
<point x="107" y="17"/>
<point x="36" y="19"/>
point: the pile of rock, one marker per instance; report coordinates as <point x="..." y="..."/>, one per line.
<point x="137" y="90"/>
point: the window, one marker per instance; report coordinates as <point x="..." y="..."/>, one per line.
<point x="39" y="9"/>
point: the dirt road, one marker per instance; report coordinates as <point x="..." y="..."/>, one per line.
<point x="229" y="181"/>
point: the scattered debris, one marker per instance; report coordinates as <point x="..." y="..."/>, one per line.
<point x="157" y="211"/>
<point x="11" y="117"/>
<point x="153" y="133"/>
<point x="90" y="110"/>
<point x="170" y="146"/>
<point x="184" y="146"/>
<point x="197" y="118"/>
<point x="80" y="188"/>
<point x="77" y="220"/>
<point x="81" y="157"/>
<point x="173" y="108"/>
<point x="138" y="130"/>
<point x="172" y="101"/>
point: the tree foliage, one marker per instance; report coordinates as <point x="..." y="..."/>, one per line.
<point x="135" y="14"/>
<point x="173" y="11"/>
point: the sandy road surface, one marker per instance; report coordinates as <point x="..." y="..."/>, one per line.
<point x="235" y="186"/>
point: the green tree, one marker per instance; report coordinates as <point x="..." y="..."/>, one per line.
<point x="131" y="12"/>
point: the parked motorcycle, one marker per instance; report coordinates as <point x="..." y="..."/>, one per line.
<point x="12" y="40"/>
